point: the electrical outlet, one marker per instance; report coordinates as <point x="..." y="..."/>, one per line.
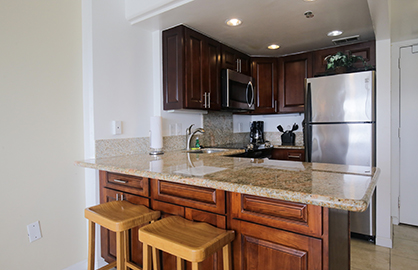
<point x="34" y="231"/>
<point x="172" y="129"/>
<point x="117" y="127"/>
<point x="178" y="129"/>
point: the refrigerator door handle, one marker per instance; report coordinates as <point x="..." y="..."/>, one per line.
<point x="308" y="119"/>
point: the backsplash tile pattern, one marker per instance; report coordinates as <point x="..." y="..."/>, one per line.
<point x="218" y="131"/>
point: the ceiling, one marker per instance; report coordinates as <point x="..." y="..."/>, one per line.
<point x="271" y="21"/>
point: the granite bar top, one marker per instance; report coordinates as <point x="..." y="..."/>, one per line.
<point x="329" y="185"/>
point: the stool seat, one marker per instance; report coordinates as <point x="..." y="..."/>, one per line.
<point x="188" y="240"/>
<point x="120" y="216"/>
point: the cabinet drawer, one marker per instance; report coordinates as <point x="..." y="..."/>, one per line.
<point x="132" y="184"/>
<point x="291" y="216"/>
<point x="202" y="198"/>
<point x="288" y="154"/>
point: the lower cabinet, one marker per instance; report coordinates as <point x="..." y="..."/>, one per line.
<point x="270" y="234"/>
<point x="288" y="154"/>
<point x="262" y="247"/>
<point x="108" y="238"/>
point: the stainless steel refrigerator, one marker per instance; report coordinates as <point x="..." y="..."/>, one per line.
<point x="340" y="128"/>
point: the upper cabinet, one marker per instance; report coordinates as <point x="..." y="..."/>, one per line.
<point x="191" y="70"/>
<point x="264" y="71"/>
<point x="292" y="73"/>
<point x="367" y="50"/>
<point x="235" y="60"/>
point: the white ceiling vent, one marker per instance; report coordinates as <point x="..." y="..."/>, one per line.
<point x="344" y="40"/>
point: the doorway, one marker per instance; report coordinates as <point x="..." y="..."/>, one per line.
<point x="408" y="76"/>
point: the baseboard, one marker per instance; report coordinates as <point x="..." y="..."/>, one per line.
<point x="395" y="220"/>
<point x="83" y="265"/>
<point x="384" y="242"/>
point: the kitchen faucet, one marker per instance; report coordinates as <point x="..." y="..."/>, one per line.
<point x="190" y="134"/>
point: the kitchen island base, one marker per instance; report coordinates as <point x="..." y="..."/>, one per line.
<point x="270" y="233"/>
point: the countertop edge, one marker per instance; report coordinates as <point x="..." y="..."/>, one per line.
<point x="319" y="200"/>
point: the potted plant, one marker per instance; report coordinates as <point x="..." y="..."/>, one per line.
<point x="342" y="62"/>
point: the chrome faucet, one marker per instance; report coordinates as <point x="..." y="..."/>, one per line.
<point x="190" y="134"/>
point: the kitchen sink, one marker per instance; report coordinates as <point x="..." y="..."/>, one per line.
<point x="207" y="150"/>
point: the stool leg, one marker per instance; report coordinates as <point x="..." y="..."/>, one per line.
<point x="120" y="246"/>
<point x="196" y="266"/>
<point x="227" y="257"/>
<point x="146" y="257"/>
<point x="92" y="244"/>
<point x="156" y="258"/>
<point x="126" y="249"/>
<point x="180" y="264"/>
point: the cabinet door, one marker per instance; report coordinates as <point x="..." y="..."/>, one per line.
<point x="213" y="77"/>
<point x="195" y="69"/>
<point x="235" y="60"/>
<point x="367" y="50"/>
<point x="173" y="68"/>
<point x="292" y="73"/>
<point x="108" y="238"/>
<point x="264" y="71"/>
<point x="261" y="247"/>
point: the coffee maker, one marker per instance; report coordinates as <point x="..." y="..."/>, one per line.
<point x="257" y="133"/>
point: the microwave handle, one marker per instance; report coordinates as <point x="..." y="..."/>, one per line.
<point x="251" y="103"/>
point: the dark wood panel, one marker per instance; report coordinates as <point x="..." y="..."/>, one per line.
<point x="173" y="68"/>
<point x="195" y="65"/>
<point x="264" y="71"/>
<point x="292" y="73"/>
<point x="288" y="154"/>
<point x="233" y="59"/>
<point x="292" y="216"/>
<point x="213" y="78"/>
<point x="261" y="247"/>
<point x="207" y="199"/>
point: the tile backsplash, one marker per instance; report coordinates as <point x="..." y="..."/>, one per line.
<point x="218" y="131"/>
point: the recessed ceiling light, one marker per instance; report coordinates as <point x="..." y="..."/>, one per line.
<point x="273" y="46"/>
<point x="233" y="22"/>
<point x="309" y="14"/>
<point x="334" y="33"/>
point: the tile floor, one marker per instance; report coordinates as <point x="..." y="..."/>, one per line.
<point x="403" y="255"/>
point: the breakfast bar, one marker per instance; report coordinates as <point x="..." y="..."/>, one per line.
<point x="286" y="214"/>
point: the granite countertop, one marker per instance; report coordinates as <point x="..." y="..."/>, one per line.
<point x="329" y="185"/>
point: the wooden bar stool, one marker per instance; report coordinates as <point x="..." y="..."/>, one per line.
<point x="187" y="240"/>
<point x="120" y="217"/>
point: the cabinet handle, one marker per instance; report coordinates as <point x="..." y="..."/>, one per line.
<point x="120" y="181"/>
<point x="121" y="197"/>
<point x="209" y="100"/>
<point x="293" y="156"/>
<point x="275" y="106"/>
<point x="206" y="99"/>
<point x="239" y="65"/>
<point x="117" y="196"/>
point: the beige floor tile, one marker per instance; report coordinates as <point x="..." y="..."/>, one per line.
<point x="369" y="259"/>
<point x="402" y="263"/>
<point x="405" y="248"/>
<point x="364" y="245"/>
<point x="405" y="232"/>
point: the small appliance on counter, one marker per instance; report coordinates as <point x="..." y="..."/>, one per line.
<point x="258" y="147"/>
<point x="288" y="137"/>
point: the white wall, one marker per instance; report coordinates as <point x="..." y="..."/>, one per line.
<point x="41" y="134"/>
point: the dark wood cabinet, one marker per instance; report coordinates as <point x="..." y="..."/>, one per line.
<point x="367" y="50"/>
<point x="288" y="154"/>
<point x="191" y="70"/>
<point x="293" y="70"/>
<point x="270" y="233"/>
<point x="263" y="247"/>
<point x="235" y="60"/>
<point x="264" y="71"/>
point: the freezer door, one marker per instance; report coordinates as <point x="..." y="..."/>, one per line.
<point x="350" y="144"/>
<point x="342" y="98"/>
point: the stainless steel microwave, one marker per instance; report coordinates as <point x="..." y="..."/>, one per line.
<point x="237" y="91"/>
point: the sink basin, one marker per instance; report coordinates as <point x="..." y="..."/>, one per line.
<point x="207" y="150"/>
